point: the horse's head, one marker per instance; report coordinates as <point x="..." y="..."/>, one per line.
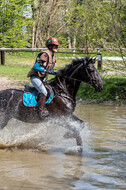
<point x="89" y="74"/>
<point x="79" y="70"/>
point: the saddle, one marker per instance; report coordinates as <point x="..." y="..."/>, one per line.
<point x="31" y="96"/>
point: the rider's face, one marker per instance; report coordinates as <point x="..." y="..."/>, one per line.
<point x="55" y="48"/>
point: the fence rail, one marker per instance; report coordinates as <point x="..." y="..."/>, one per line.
<point x="61" y="50"/>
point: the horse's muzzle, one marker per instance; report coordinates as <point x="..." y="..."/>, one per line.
<point x="99" y="88"/>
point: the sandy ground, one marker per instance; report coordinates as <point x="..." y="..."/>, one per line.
<point x="5" y="83"/>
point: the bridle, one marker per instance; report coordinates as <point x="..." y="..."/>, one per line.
<point x="91" y="81"/>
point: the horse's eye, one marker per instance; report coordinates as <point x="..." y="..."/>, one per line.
<point x="90" y="68"/>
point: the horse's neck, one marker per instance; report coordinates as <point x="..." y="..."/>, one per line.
<point x="72" y="84"/>
<point x="69" y="82"/>
<point x="72" y="88"/>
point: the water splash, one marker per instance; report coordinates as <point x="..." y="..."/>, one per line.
<point x="43" y="136"/>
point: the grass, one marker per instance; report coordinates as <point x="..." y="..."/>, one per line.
<point x="14" y="72"/>
<point x="115" y="53"/>
<point x="114" y="89"/>
<point x="18" y="65"/>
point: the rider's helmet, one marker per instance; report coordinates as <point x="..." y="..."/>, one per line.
<point x="52" y="41"/>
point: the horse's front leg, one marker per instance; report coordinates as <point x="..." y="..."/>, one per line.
<point x="80" y="121"/>
<point x="74" y="133"/>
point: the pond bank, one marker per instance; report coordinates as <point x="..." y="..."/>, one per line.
<point x="107" y="103"/>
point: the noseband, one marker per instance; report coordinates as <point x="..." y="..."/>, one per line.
<point x="91" y="81"/>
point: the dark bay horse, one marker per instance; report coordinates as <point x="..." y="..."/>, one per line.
<point x="65" y="86"/>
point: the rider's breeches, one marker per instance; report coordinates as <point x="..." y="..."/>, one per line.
<point x="38" y="84"/>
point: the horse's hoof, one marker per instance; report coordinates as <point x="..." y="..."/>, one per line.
<point x="76" y="150"/>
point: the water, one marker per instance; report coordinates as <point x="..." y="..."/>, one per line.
<point x="25" y="165"/>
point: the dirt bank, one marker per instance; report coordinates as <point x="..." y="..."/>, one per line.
<point x="6" y="83"/>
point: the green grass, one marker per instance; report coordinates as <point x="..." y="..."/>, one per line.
<point x="114" y="89"/>
<point x="18" y="65"/>
<point x="23" y="58"/>
<point x="115" y="53"/>
<point x="14" y="72"/>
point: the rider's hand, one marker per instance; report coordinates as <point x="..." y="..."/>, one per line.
<point x="51" y="72"/>
<point x="54" y="73"/>
<point x="48" y="72"/>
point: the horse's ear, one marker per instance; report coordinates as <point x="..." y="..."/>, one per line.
<point x="88" y="60"/>
<point x="93" y="59"/>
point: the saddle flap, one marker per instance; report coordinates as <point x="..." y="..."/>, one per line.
<point x="31" y="95"/>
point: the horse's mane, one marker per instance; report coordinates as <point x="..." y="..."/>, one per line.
<point x="69" y="68"/>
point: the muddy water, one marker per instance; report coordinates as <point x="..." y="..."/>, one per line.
<point x="101" y="166"/>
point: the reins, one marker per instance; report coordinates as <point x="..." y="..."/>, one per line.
<point x="60" y="85"/>
<point x="72" y="78"/>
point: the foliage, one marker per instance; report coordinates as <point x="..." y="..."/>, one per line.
<point x="95" y="23"/>
<point x="114" y="89"/>
<point x="14" y="23"/>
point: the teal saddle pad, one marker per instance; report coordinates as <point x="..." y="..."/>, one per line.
<point x="30" y="99"/>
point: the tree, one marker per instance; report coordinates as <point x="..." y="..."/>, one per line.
<point x="95" y="23"/>
<point x="15" y="23"/>
<point x="48" y="17"/>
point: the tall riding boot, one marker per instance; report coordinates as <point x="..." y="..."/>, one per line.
<point x="43" y="112"/>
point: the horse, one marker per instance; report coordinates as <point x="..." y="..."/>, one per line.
<point x="64" y="85"/>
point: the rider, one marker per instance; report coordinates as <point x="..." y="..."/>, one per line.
<point x="44" y="65"/>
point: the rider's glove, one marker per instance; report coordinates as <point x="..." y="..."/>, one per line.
<point x="54" y="73"/>
<point x="51" y="72"/>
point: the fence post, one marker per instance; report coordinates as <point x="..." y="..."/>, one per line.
<point x="99" y="60"/>
<point x="2" y="57"/>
